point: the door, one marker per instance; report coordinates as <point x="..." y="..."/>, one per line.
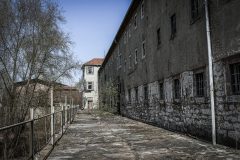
<point x="90" y="104"/>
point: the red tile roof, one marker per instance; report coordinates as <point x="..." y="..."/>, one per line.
<point x="94" y="62"/>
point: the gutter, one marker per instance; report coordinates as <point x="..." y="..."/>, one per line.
<point x="210" y="67"/>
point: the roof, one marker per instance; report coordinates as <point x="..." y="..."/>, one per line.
<point x="94" y="62"/>
<point x="127" y="18"/>
<point x="40" y="81"/>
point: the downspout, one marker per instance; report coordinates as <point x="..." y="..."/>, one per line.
<point x="210" y="67"/>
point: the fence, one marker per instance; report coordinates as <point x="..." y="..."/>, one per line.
<point x="26" y="139"/>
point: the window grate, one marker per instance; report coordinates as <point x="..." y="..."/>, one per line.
<point x="235" y="78"/>
<point x="199" y="84"/>
<point x="177" y="89"/>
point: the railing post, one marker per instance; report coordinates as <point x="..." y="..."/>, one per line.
<point x="52" y="119"/>
<point x="62" y="120"/>
<point x="66" y="110"/>
<point x="31" y="144"/>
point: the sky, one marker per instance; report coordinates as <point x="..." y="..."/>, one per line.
<point x="92" y="26"/>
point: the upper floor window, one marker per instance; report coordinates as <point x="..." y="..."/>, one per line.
<point x="177" y="89"/>
<point x="129" y="30"/>
<point x="195" y="9"/>
<point x="142" y="10"/>
<point x="125" y="38"/>
<point x="161" y="91"/>
<point x="143" y="49"/>
<point x="130" y="61"/>
<point x="136" y="56"/>
<point x="235" y="78"/>
<point x="173" y="26"/>
<point x="90" y="86"/>
<point x="90" y="70"/>
<point x="158" y="37"/>
<point x="199" y="84"/>
<point x="135" y="21"/>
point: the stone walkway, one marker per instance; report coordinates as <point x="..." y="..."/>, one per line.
<point x="102" y="137"/>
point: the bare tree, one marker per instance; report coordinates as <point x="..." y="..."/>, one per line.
<point x="32" y="46"/>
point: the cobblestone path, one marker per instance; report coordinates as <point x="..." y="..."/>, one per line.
<point x="103" y="137"/>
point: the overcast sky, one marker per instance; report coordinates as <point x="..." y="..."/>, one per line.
<point x="92" y="25"/>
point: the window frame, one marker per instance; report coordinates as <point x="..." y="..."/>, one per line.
<point x="135" y="21"/>
<point x="143" y="49"/>
<point x="196" y="83"/>
<point x="92" y="88"/>
<point x="176" y="88"/>
<point x="173" y="20"/>
<point x="161" y="90"/>
<point x="233" y="92"/>
<point x="158" y="36"/>
<point x="142" y="9"/>
<point x="87" y="71"/>
<point x="136" y="56"/>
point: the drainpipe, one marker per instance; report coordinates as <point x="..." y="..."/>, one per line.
<point x="210" y="67"/>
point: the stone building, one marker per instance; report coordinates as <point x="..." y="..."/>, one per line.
<point x="159" y="63"/>
<point x="90" y="78"/>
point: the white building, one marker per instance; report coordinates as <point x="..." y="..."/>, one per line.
<point x="90" y="77"/>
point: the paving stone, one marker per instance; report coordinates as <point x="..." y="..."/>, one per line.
<point x="106" y="137"/>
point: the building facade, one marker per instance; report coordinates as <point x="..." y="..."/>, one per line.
<point x="159" y="63"/>
<point x="90" y="78"/>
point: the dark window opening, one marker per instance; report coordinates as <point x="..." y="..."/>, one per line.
<point x="173" y="26"/>
<point x="136" y="94"/>
<point x="161" y="91"/>
<point x="158" y="37"/>
<point x="235" y="78"/>
<point x="129" y="96"/>
<point x="199" y="84"/>
<point x="195" y="9"/>
<point x="177" y="89"/>
<point x="146" y="93"/>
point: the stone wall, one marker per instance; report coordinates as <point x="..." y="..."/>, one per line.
<point x="190" y="114"/>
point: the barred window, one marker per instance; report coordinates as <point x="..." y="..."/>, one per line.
<point x="177" y="89"/>
<point x="161" y="91"/>
<point x="199" y="84"/>
<point x="235" y="78"/>
<point x="145" y="92"/>
<point x="129" y="96"/>
<point x="136" y="94"/>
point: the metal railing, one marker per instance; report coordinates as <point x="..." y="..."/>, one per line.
<point x="60" y="121"/>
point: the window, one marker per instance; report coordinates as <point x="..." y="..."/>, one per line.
<point x="129" y="31"/>
<point x="90" y="70"/>
<point x="145" y="88"/>
<point x="143" y="49"/>
<point x="136" y="94"/>
<point x="136" y="56"/>
<point x="158" y="37"/>
<point x="129" y="95"/>
<point x="130" y="61"/>
<point x="142" y="10"/>
<point x="135" y="21"/>
<point x="125" y="38"/>
<point x="161" y="91"/>
<point x="235" y="78"/>
<point x="199" y="84"/>
<point x="195" y="9"/>
<point x="125" y="64"/>
<point x="173" y="26"/>
<point x="177" y="89"/>
<point x="90" y="86"/>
